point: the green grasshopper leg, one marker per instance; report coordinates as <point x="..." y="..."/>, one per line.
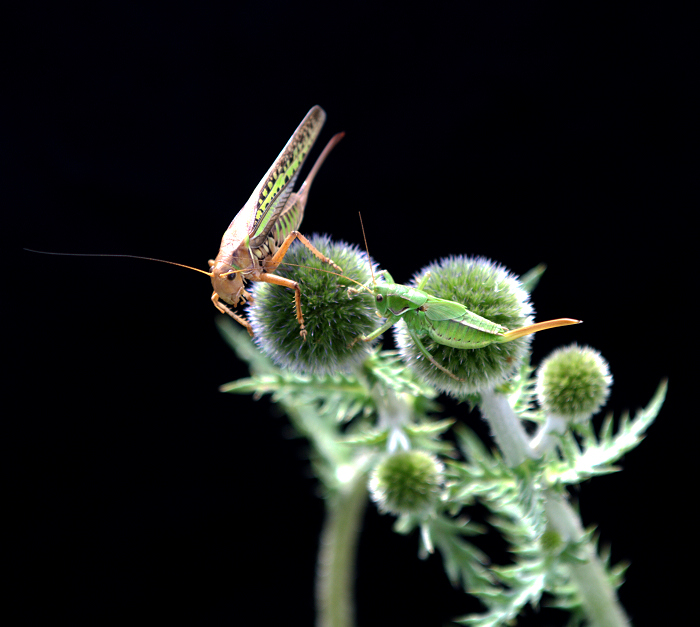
<point x="430" y="358"/>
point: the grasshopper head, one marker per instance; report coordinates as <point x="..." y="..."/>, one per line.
<point x="381" y="295"/>
<point x="228" y="282"/>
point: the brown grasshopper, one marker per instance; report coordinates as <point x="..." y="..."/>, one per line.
<point x="257" y="240"/>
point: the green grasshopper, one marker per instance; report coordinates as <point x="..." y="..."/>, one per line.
<point x="257" y="240"/>
<point x="444" y="321"/>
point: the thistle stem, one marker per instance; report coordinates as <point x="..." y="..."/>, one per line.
<point x="599" y="598"/>
<point x="335" y="573"/>
<point x="507" y="429"/>
<point x="598" y="595"/>
<point x="543" y="440"/>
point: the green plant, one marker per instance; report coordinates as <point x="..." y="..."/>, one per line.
<point x="375" y="437"/>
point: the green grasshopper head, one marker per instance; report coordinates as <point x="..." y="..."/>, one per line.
<point x="382" y="296"/>
<point x="393" y="299"/>
<point x="228" y="282"/>
<point x="381" y="292"/>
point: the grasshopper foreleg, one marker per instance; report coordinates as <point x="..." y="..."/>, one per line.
<point x="366" y="286"/>
<point x="375" y="334"/>
<point x="224" y="309"/>
<point x="423" y="281"/>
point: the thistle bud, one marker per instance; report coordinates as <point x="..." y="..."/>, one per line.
<point x="407" y="482"/>
<point x="332" y="319"/>
<point x="484" y="288"/>
<point x="573" y="383"/>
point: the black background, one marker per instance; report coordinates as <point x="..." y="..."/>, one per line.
<point x="523" y="132"/>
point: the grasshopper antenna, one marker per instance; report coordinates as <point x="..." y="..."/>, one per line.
<point x="172" y="263"/>
<point x="364" y="237"/>
<point x="298" y="265"/>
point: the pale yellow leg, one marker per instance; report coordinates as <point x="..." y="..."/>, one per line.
<point x="224" y="309"/>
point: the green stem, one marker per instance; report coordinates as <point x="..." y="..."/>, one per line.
<point x="598" y="595"/>
<point x="335" y="574"/>
<point x="507" y="429"/>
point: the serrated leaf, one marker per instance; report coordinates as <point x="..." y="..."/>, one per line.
<point x="505" y="606"/>
<point x="464" y="562"/>
<point x="433" y="428"/>
<point x="532" y="277"/>
<point x="595" y="456"/>
<point x="367" y="438"/>
<point x="388" y="369"/>
<point x="243" y="346"/>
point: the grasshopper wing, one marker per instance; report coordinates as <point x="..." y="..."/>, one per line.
<point x="440" y="309"/>
<point x="456" y="313"/>
<point x="270" y="196"/>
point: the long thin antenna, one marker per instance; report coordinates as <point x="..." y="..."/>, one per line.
<point x="369" y="260"/>
<point x="342" y="276"/>
<point x="172" y="263"/>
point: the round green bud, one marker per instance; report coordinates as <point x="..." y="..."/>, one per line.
<point x="573" y="383"/>
<point x="332" y="318"/>
<point x="488" y="290"/>
<point x="407" y="482"/>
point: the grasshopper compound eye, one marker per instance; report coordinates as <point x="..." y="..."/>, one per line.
<point x="380" y="298"/>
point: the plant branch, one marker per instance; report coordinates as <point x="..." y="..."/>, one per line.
<point x="335" y="574"/>
<point x="507" y="429"/>
<point x="599" y="599"/>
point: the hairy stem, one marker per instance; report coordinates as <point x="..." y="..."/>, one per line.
<point x="507" y="429"/>
<point x="599" y="598"/>
<point x="336" y="561"/>
<point x="544" y="440"/>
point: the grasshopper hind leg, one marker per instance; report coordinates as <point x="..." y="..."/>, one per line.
<point x="282" y="251"/>
<point x="430" y="358"/>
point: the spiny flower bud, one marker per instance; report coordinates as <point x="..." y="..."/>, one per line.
<point x="573" y="382"/>
<point x="332" y="319"/>
<point x="484" y="288"/>
<point x="407" y="482"/>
